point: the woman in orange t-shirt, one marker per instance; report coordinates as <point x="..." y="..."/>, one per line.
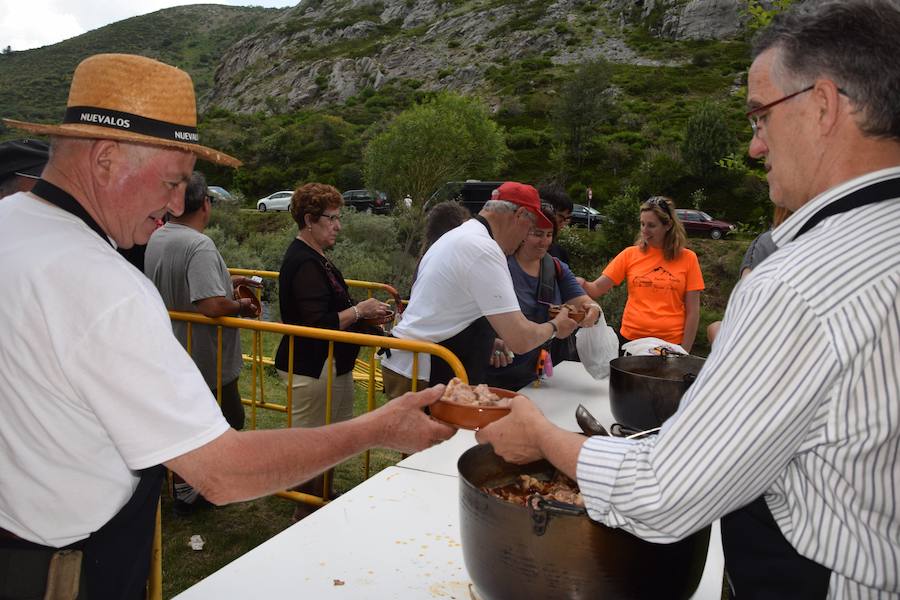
<point x="664" y="279"/>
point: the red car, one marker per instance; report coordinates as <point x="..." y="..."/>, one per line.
<point x="699" y="223"/>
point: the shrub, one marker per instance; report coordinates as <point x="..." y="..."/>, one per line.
<point x="622" y="214"/>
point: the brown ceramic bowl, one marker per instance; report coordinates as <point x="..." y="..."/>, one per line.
<point x="575" y="315"/>
<point x="245" y="291"/>
<point x="471" y="416"/>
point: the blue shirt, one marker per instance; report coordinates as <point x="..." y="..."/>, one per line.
<point x="526" y="287"/>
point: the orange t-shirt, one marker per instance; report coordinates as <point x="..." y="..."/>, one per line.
<point x="656" y="289"/>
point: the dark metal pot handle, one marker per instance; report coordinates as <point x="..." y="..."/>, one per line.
<point x="540" y="509"/>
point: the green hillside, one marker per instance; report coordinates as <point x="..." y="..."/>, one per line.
<point x="670" y="112"/>
<point x="34" y="83"/>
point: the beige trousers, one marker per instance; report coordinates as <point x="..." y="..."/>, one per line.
<point x="308" y="398"/>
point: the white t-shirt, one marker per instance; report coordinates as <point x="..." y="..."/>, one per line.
<point x="462" y="277"/>
<point x="93" y="385"/>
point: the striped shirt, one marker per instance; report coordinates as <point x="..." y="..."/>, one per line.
<point x="799" y="399"/>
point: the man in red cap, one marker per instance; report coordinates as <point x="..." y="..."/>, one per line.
<point x="463" y="297"/>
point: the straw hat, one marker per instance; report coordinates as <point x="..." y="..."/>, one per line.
<point x="133" y="99"/>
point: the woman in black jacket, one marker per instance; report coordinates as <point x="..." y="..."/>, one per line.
<point x="312" y="292"/>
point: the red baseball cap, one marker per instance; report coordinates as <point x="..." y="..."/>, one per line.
<point x="525" y="196"/>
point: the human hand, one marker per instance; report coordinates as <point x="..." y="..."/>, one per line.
<point x="248" y="308"/>
<point x="592" y="312"/>
<point x="564" y="325"/>
<point x="373" y="308"/>
<point x="237" y="280"/>
<point x="516" y="437"/>
<point x="501" y="356"/>
<point x="405" y="426"/>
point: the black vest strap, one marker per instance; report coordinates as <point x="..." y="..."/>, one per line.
<point x="65" y="201"/>
<point x="877" y="192"/>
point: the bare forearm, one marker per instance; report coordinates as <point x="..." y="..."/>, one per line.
<point x="691" y="319"/>
<point x="218" y="306"/>
<point x="598" y="287"/>
<point x="529" y="337"/>
<point x="562" y="448"/>
<point x="240" y="466"/>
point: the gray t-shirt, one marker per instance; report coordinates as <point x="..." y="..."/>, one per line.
<point x="760" y="249"/>
<point x="186" y="267"/>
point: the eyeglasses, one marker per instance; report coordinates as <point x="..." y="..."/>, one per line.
<point x="331" y="218"/>
<point x="757" y="115"/>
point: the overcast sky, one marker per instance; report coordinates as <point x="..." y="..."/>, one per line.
<point x="26" y="24"/>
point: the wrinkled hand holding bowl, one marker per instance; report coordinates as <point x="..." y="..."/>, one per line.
<point x="472" y="416"/>
<point x="245" y="291"/>
<point x="575" y="315"/>
<point x="380" y="320"/>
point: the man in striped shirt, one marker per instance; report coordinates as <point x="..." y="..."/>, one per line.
<point x="791" y="433"/>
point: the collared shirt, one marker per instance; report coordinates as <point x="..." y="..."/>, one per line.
<point x="799" y="400"/>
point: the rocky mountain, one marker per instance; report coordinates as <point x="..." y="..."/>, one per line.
<point x="323" y="52"/>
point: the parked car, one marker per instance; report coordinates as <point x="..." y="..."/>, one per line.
<point x="277" y="201"/>
<point x="699" y="223"/>
<point x="473" y="194"/>
<point x="220" y="194"/>
<point x="586" y="216"/>
<point x="366" y="201"/>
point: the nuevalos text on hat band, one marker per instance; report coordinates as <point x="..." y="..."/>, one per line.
<point x="114" y="119"/>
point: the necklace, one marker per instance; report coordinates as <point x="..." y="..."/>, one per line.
<point x="310" y="244"/>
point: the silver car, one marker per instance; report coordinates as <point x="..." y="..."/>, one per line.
<point x="277" y="201"/>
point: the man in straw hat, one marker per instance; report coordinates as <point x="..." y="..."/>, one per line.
<point x="791" y="432"/>
<point x="96" y="393"/>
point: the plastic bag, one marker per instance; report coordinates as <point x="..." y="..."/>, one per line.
<point x="650" y="346"/>
<point x="597" y="346"/>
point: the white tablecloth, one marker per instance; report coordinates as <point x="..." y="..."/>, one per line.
<point x="396" y="535"/>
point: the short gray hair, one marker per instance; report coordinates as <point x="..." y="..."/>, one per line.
<point x="500" y="206"/>
<point x="855" y="43"/>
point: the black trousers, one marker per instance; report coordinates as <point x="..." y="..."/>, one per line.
<point x="762" y="564"/>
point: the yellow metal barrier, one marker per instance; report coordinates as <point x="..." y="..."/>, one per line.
<point x="257" y="361"/>
<point x="366" y="373"/>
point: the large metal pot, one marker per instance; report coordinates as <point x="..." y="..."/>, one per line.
<point x="557" y="551"/>
<point x="644" y="391"/>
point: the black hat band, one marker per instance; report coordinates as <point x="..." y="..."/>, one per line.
<point x="102" y="117"/>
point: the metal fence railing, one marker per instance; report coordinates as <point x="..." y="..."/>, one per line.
<point x="259" y="361"/>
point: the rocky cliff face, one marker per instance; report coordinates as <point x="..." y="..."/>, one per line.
<point x="326" y="51"/>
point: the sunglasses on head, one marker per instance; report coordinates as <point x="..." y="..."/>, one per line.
<point x="660" y="201"/>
